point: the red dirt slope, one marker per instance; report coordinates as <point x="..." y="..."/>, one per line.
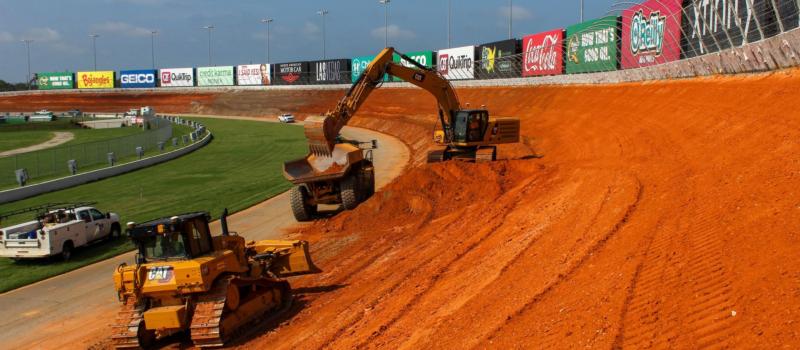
<point x="659" y="215"/>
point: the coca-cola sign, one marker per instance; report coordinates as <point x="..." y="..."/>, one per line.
<point x="543" y="53"/>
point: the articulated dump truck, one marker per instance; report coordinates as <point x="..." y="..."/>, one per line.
<point x="186" y="280"/>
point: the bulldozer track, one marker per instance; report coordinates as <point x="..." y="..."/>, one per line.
<point x="125" y="331"/>
<point x="212" y="326"/>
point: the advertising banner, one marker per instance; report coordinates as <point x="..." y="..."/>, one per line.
<point x="294" y="73"/>
<point x="215" y="76"/>
<point x="95" y="80"/>
<point x="331" y="72"/>
<point x="424" y="58"/>
<point x="359" y="65"/>
<point x="651" y="33"/>
<point x="593" y="46"/>
<point x="498" y="60"/>
<point x="457" y="63"/>
<point x="55" y="80"/>
<point x="253" y="74"/>
<point x="543" y="53"/>
<point x="174" y="77"/>
<point x="712" y="26"/>
<point x="143" y="78"/>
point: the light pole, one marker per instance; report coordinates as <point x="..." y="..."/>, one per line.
<point x="510" y="18"/>
<point x="267" y="21"/>
<point x="386" y="21"/>
<point x="581" y="11"/>
<point x="449" y="18"/>
<point x="28" y="48"/>
<point x="94" y="48"/>
<point x="323" y="13"/>
<point x="210" y="28"/>
<point x="153" y="34"/>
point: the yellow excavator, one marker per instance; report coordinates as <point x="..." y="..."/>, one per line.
<point x="186" y="280"/>
<point x="341" y="173"/>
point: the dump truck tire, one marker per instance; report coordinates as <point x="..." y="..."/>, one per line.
<point x="349" y="192"/>
<point x="369" y="183"/>
<point x="298" y="197"/>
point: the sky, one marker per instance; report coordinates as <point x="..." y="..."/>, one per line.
<point x="60" y="29"/>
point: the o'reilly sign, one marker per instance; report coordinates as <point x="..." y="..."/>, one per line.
<point x="145" y="78"/>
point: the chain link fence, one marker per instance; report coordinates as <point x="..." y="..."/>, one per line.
<point x="67" y="160"/>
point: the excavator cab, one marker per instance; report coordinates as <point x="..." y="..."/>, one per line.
<point x="469" y="126"/>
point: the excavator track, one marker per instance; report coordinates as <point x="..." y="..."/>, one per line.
<point x="128" y="329"/>
<point x="214" y="323"/>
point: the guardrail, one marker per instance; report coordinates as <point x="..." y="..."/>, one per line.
<point x="195" y="140"/>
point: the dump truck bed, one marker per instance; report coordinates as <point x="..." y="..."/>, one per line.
<point x="321" y="168"/>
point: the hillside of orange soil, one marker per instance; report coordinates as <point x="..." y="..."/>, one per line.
<point x="659" y="214"/>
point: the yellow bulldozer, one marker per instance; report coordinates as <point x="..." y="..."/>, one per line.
<point x="186" y="280"/>
<point x="339" y="173"/>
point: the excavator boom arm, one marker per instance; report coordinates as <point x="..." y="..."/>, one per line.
<point x="321" y="132"/>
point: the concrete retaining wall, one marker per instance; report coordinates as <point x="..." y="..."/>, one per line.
<point x="80" y="179"/>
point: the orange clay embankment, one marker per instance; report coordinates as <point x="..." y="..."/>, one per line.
<point x="659" y="215"/>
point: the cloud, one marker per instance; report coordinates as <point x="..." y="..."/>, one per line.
<point x="519" y="13"/>
<point x="121" y="28"/>
<point x="6" y="37"/>
<point x="395" y="32"/>
<point x="42" y="35"/>
<point x="144" y="2"/>
<point x="311" y="29"/>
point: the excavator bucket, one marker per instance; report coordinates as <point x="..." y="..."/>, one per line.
<point x="291" y="258"/>
<point x="318" y="131"/>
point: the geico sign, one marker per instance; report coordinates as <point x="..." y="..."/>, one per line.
<point x="138" y="78"/>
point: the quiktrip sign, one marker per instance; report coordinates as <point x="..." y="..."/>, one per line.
<point x="457" y="63"/>
<point x="144" y="78"/>
<point x="215" y="76"/>
<point x="253" y="74"/>
<point x="330" y="71"/>
<point x="176" y="77"/>
<point x="651" y="33"/>
<point x="95" y="80"/>
<point x="543" y="53"/>
<point x="498" y="60"/>
<point x="294" y="73"/>
<point x="593" y="46"/>
<point x="55" y="80"/>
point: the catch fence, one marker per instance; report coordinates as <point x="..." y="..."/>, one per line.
<point x="77" y="158"/>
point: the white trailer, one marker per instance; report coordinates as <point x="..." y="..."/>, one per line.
<point x="57" y="232"/>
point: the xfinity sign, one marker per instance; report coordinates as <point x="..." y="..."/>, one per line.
<point x="137" y="78"/>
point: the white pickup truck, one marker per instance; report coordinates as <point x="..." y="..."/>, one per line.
<point x="57" y="232"/>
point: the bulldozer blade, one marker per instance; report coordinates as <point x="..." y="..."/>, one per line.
<point x="318" y="130"/>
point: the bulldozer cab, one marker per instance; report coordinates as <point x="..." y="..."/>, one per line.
<point x="181" y="237"/>
<point x="469" y="126"/>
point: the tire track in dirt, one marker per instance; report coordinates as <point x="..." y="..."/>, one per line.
<point x="577" y="264"/>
